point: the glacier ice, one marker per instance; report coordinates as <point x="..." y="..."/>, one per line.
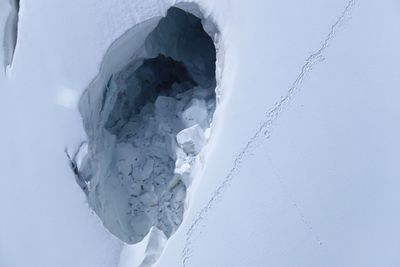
<point x="191" y="139"/>
<point x="145" y="116"/>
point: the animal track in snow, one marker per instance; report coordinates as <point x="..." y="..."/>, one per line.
<point x="264" y="129"/>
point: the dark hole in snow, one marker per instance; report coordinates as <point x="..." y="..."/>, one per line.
<point x="155" y="77"/>
<point x="146" y="123"/>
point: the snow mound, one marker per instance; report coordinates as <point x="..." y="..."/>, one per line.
<point x="145" y="116"/>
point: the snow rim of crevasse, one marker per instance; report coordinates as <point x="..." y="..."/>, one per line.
<point x="127" y="48"/>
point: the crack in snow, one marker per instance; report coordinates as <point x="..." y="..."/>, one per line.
<point x="11" y="34"/>
<point x="265" y="128"/>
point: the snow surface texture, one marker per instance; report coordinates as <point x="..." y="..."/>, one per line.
<point x="146" y="125"/>
<point x="11" y="33"/>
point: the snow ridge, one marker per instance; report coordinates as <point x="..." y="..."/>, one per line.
<point x="265" y="128"/>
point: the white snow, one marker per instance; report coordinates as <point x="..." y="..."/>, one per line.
<point x="67" y="98"/>
<point x="318" y="188"/>
<point x="301" y="166"/>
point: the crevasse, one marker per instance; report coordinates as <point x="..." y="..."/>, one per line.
<point x="147" y="116"/>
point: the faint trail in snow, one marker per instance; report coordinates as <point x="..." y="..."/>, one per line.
<point x="293" y="202"/>
<point x="265" y="129"/>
